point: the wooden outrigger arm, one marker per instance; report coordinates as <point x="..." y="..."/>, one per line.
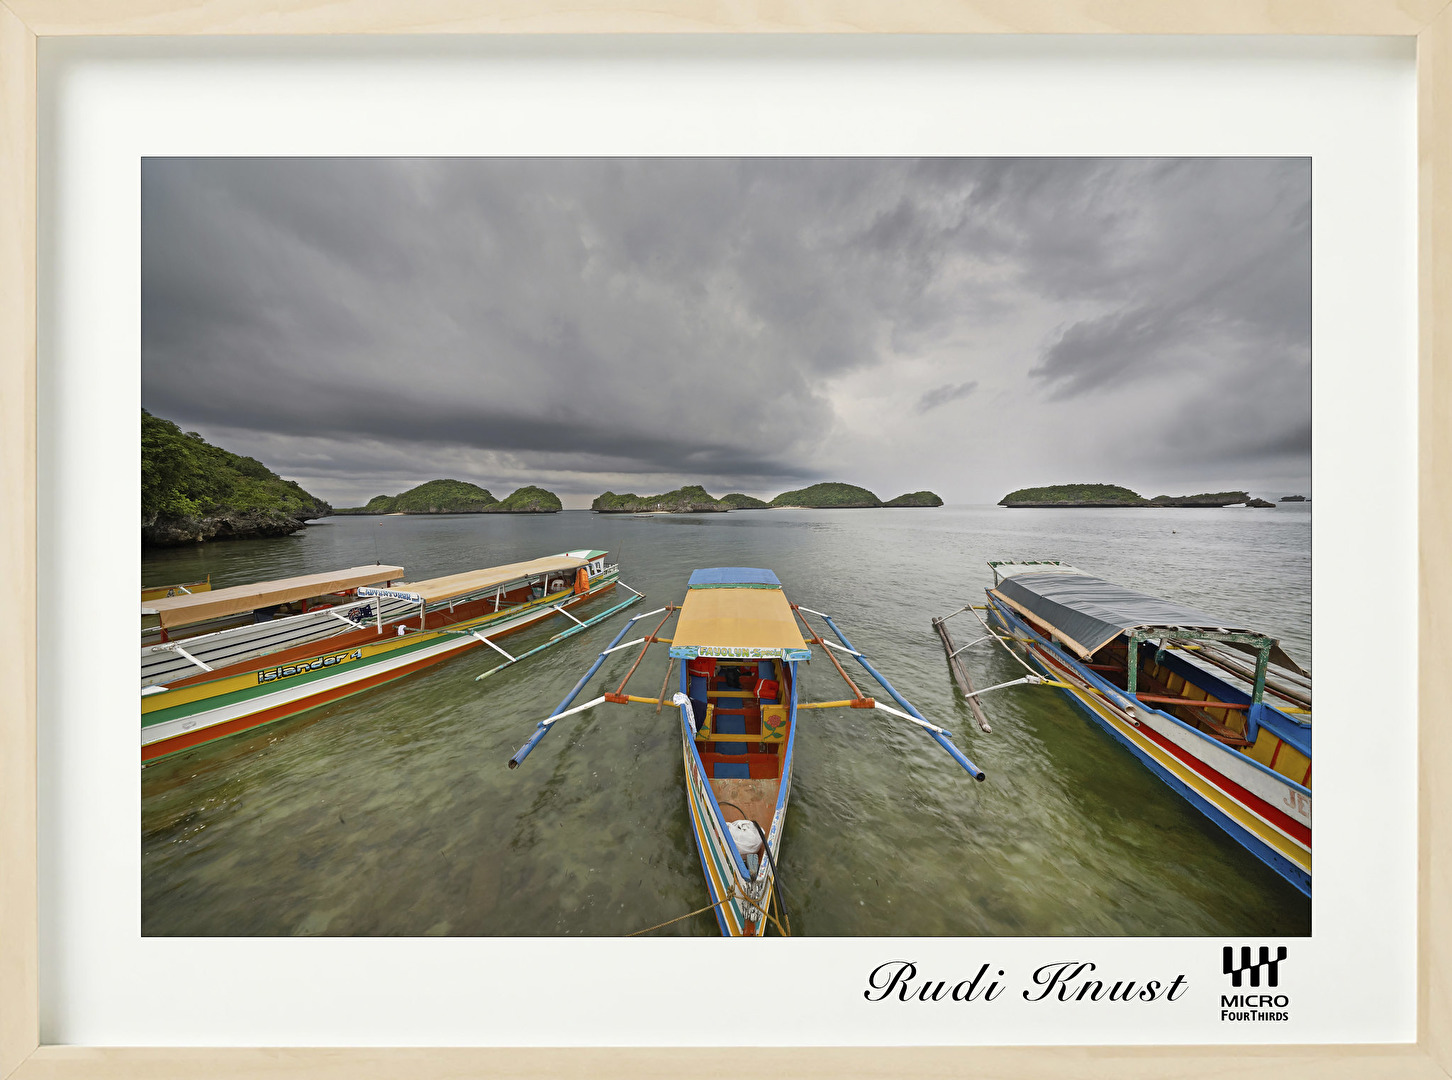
<point x="938" y="734"/>
<point x="563" y="708"/>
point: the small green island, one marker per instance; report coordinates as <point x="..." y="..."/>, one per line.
<point x="1057" y="496"/>
<point x="694" y="499"/>
<point x="691" y="499"/>
<point x="458" y="497"/>
<point x="192" y="491"/>
<point x="737" y="501"/>
<point x="828" y="496"/>
<point x="915" y="498"/>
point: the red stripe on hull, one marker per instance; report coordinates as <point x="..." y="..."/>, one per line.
<point x="197" y="736"/>
<point x="1274" y="815"/>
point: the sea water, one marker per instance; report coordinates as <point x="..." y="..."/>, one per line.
<point x="393" y="812"/>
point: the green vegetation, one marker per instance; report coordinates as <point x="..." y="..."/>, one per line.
<point x="828" y="496"/>
<point x="1114" y="495"/>
<point x="193" y="491"/>
<point x="528" y="500"/>
<point x="738" y="501"/>
<point x="695" y="500"/>
<point x="1074" y="495"/>
<point x="1209" y="498"/>
<point x="915" y="498"/>
<point x="692" y="499"/>
<point x="459" y="497"/>
<point x="433" y="497"/>
<point x="443" y="497"/>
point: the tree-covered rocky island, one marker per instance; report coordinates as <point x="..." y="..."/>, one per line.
<point x="459" y="497"/>
<point x="694" y="499"/>
<point x="1092" y="495"/>
<point x="915" y="498"/>
<point x="691" y="499"/>
<point x="828" y="496"/>
<point x="192" y="491"/>
<point x="737" y="501"/>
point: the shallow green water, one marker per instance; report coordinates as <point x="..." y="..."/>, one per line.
<point x="394" y="813"/>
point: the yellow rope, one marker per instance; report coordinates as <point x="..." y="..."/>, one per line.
<point x="765" y="915"/>
<point x="734" y="896"/>
<point x="678" y="918"/>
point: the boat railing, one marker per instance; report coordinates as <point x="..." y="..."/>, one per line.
<point x="163" y="662"/>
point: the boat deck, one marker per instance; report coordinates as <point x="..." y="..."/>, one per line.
<point x="756" y="798"/>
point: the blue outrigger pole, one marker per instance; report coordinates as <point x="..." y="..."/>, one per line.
<point x="544" y="725"/>
<point x="577" y="628"/>
<point x="957" y="755"/>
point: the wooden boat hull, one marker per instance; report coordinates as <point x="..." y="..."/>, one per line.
<point x="190" y="715"/>
<point x="158" y="592"/>
<point x="740" y="903"/>
<point x="1267" y="812"/>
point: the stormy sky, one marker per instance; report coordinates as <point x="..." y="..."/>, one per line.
<point x="964" y="325"/>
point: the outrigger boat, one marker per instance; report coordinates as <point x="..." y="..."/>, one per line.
<point x="156" y="592"/>
<point x="181" y="613"/>
<point x="1173" y="684"/>
<point x="739" y="643"/>
<point x="198" y="689"/>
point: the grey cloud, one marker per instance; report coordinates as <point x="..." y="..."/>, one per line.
<point x="689" y="318"/>
<point x="943" y="394"/>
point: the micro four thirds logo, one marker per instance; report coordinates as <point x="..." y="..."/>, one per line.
<point x="1264" y="961"/>
<point x="1241" y="1007"/>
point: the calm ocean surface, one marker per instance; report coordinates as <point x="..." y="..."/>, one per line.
<point x="393" y="812"/>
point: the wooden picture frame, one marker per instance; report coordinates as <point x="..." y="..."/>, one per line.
<point x="23" y="22"/>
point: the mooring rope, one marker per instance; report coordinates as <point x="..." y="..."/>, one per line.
<point x="726" y="900"/>
<point x="678" y="918"/>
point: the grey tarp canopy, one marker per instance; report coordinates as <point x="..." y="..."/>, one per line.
<point x="1087" y="612"/>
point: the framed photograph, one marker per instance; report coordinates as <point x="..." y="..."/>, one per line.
<point x="521" y="413"/>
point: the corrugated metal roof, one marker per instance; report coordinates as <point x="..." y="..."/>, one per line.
<point x="1014" y="569"/>
<point x="1088" y="612"/>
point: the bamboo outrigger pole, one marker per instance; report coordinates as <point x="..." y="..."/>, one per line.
<point x="936" y="733"/>
<point x="960" y="673"/>
<point x="563" y="708"/>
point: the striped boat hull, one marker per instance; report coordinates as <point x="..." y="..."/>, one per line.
<point x="739" y="904"/>
<point x="190" y="716"/>
<point x="1266" y="813"/>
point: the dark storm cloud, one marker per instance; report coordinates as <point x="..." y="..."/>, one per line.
<point x="595" y="320"/>
<point x="1216" y="264"/>
<point x="941" y="395"/>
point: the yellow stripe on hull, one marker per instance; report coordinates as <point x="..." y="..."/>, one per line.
<point x="1251" y="822"/>
<point x="386" y="643"/>
<point x="711" y="855"/>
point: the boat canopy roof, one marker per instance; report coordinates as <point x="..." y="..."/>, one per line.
<point x="198" y="607"/>
<point x="1087" y="612"/>
<point x="728" y="577"/>
<point x="734" y="618"/>
<point x="472" y="581"/>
